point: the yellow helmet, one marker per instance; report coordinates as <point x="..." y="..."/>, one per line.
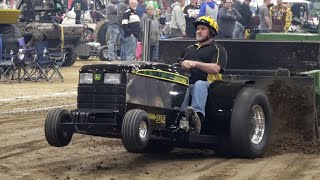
<point x="209" y="22"/>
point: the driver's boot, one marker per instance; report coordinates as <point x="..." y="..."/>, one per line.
<point x="193" y="119"/>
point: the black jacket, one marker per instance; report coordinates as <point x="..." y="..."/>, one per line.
<point x="246" y="14"/>
<point x="79" y="5"/>
<point x="190" y="29"/>
<point x="131" y="23"/>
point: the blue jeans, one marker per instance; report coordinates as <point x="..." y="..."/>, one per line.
<point x="154" y="52"/>
<point x="129" y="46"/>
<point x="114" y="32"/>
<point x="199" y="94"/>
<point x="238" y="32"/>
<point x="122" y="50"/>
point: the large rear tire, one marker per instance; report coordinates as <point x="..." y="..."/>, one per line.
<point x="71" y="57"/>
<point x="56" y="134"/>
<point x="136" y="131"/>
<point x="101" y="32"/>
<point x="10" y="35"/>
<point x="250" y="125"/>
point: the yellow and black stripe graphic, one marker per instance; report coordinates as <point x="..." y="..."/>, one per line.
<point x="163" y="75"/>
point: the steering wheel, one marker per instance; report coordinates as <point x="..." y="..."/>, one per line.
<point x="179" y="65"/>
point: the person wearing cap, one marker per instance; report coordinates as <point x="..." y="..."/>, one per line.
<point x="206" y="61"/>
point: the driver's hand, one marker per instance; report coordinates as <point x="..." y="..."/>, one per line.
<point x="188" y="64"/>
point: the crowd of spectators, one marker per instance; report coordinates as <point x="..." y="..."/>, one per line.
<point x="235" y="19"/>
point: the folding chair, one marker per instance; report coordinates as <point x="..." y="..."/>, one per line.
<point x="7" y="66"/>
<point x="45" y="61"/>
<point x="57" y="56"/>
<point x="6" y="63"/>
<point x="25" y="58"/>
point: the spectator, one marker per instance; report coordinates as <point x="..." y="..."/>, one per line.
<point x="209" y="8"/>
<point x="246" y="13"/>
<point x="236" y="4"/>
<point x="295" y="8"/>
<point x="246" y="16"/>
<point x="79" y="7"/>
<point x="121" y="8"/>
<point x="178" y="22"/>
<point x="156" y="7"/>
<point x="141" y="8"/>
<point x="113" y="28"/>
<point x="222" y="2"/>
<point x="299" y="10"/>
<point x="264" y="16"/>
<point x="131" y="27"/>
<point x="154" y="3"/>
<point x="227" y="20"/>
<point x="281" y="17"/>
<point x="154" y="31"/>
<point x="191" y="11"/>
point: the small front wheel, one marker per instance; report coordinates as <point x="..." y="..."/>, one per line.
<point x="136" y="131"/>
<point x="57" y="134"/>
<point x="103" y="53"/>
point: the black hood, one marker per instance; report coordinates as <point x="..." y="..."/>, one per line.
<point x="129" y="66"/>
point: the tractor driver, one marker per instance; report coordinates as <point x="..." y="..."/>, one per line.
<point x="206" y="61"/>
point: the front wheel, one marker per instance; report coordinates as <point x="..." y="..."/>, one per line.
<point x="135" y="131"/>
<point x="103" y="53"/>
<point x="57" y="134"/>
<point x="71" y="57"/>
<point x="250" y="125"/>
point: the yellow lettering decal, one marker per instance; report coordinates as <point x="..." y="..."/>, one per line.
<point x="180" y="80"/>
<point x="159" y="119"/>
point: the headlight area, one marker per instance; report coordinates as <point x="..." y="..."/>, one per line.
<point x="86" y="78"/>
<point x="112" y="78"/>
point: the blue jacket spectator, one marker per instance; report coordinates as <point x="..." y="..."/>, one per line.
<point x="141" y="8"/>
<point x="209" y="8"/>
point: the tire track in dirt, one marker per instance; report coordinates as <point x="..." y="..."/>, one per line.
<point x="34" y="104"/>
<point x="27" y="98"/>
<point x="94" y="157"/>
<point x="30" y="143"/>
<point x="20" y="149"/>
<point x="295" y="166"/>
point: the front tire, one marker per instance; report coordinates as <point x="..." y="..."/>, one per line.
<point x="250" y="125"/>
<point x="136" y="131"/>
<point x="56" y="134"/>
<point x="103" y="53"/>
<point x="71" y="57"/>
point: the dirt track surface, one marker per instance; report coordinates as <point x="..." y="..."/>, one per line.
<point x="25" y="154"/>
